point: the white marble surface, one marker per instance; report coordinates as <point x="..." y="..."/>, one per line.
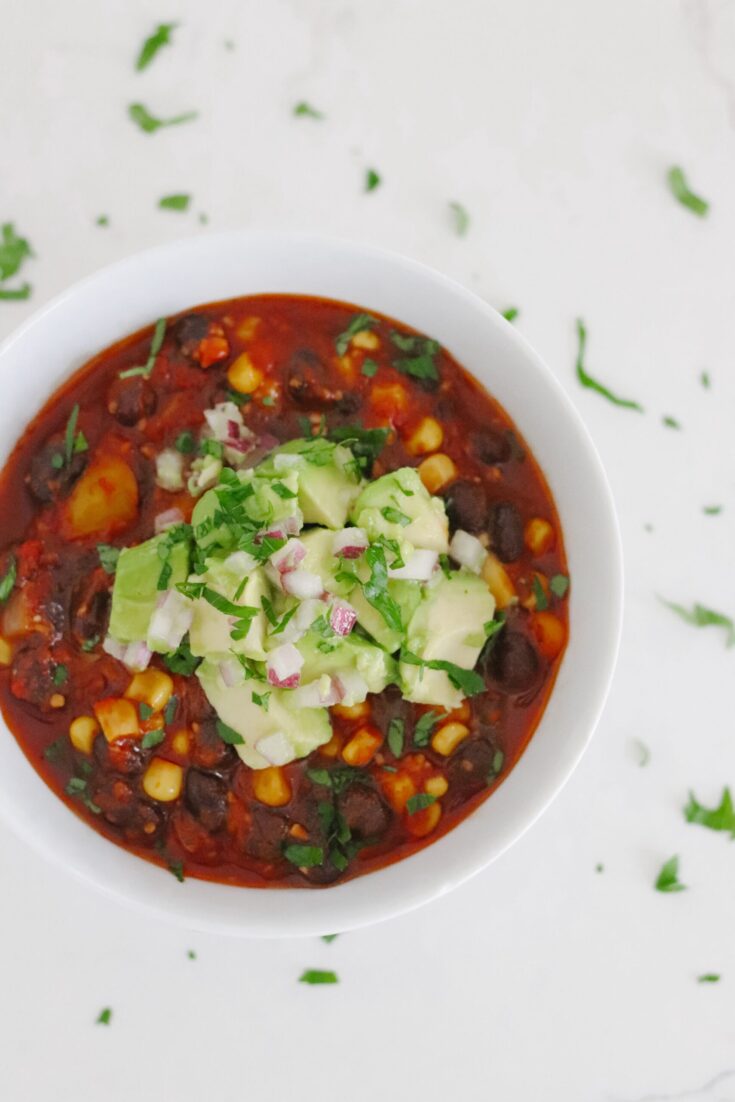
<point x="554" y="124"/>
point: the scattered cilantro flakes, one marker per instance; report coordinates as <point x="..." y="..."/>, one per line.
<point x="559" y="584"/>
<point x="145" y="370"/>
<point x="329" y="938"/>
<point x="8" y="580"/>
<point x="359" y="324"/>
<point x="19" y="294"/>
<point x="185" y="442"/>
<point x="304" y="857"/>
<point x="262" y="700"/>
<point x="701" y="617"/>
<point x="191" y="954"/>
<point x="599" y="867"/>
<point x="721" y="818"/>
<point x="182" y="660"/>
<point x="178" y="201"/>
<point x="14" y="251"/>
<point x="369" y="368"/>
<point x="709" y="977"/>
<point x="705" y="380"/>
<point x="304" y="110"/>
<point x="153" y="738"/>
<point x="712" y="510"/>
<point x="229" y="734"/>
<point x="102" y="220"/>
<point x="160" y="37"/>
<point x="460" y="218"/>
<point x="108" y="556"/>
<point x="510" y="314"/>
<point x="56" y="750"/>
<point x="148" y="123"/>
<point x="372" y="179"/>
<point x="176" y="868"/>
<point x="60" y="674"/>
<point x="592" y="384"/>
<point x="376" y="588"/>
<point x="643" y="753"/>
<point x="539" y="593"/>
<point x="419" y="363"/>
<point x="104" y="1016"/>
<point x="396" y="735"/>
<point x="683" y="194"/>
<point x="668" y="878"/>
<point x="418" y="802"/>
<point x="316" y="975"/>
<point x="670" y="422"/>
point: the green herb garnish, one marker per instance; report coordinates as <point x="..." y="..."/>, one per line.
<point x="712" y="510"/>
<point x="160" y="37"/>
<point x="73" y="441"/>
<point x="102" y="220"/>
<point x="369" y="368"/>
<point x="60" y="674"/>
<point x="510" y="314"/>
<point x="705" y="380"/>
<point x="419" y="802"/>
<point x="329" y="938"/>
<point x="372" y="179"/>
<point x="419" y="363"/>
<point x="683" y="193"/>
<point x="424" y="726"/>
<point x="539" y="593"/>
<point x="709" y="977"/>
<point x="304" y="110"/>
<point x="359" y="324"/>
<point x="8" y="580"/>
<point x="176" y="868"/>
<point x="229" y="734"/>
<point x="156" y="342"/>
<point x="19" y="294"/>
<point x="396" y="734"/>
<point x="13" y="251"/>
<point x="182" y="661"/>
<point x="376" y="588"/>
<point x="149" y="123"/>
<point x="191" y="954"/>
<point x="108" y="557"/>
<point x="668" y="879"/>
<point x="559" y="584"/>
<point x="720" y="818"/>
<point x="460" y="217"/>
<point x="702" y="617"/>
<point x="169" y="712"/>
<point x="104" y="1016"/>
<point x="671" y="422"/>
<point x="467" y="681"/>
<point x="261" y="699"/>
<point x="592" y="384"/>
<point x="304" y="857"/>
<point x="178" y="201"/>
<point x="185" y="442"/>
<point x="153" y="738"/>
<point x="395" y="516"/>
<point x="316" y="975"/>
<point x="365" y="444"/>
<point x="643" y="752"/>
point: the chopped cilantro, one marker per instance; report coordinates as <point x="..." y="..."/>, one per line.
<point x="467" y="681"/>
<point x="169" y="712"/>
<point x="709" y="977"/>
<point x="643" y="752"/>
<point x="705" y="380"/>
<point x="599" y="868"/>
<point x="56" y="749"/>
<point x="102" y="220"/>
<point x="418" y="802"/>
<point x="304" y="110"/>
<point x="229" y="734"/>
<point x="702" y="617"/>
<point x="91" y="643"/>
<point x="153" y="738"/>
<point x="73" y="441"/>
<point x="359" y="324"/>
<point x="149" y="123"/>
<point x="668" y="878"/>
<point x="592" y="384"/>
<point x="329" y="938"/>
<point x="160" y="37"/>
<point x="496" y="766"/>
<point x="396" y="734"/>
<point x="510" y="314"/>
<point x="185" y="442"/>
<point x="559" y="584"/>
<point x="369" y="368"/>
<point x="156" y="342"/>
<point x="182" y="661"/>
<point x="712" y="510"/>
<point x="376" y="588"/>
<point x="542" y="601"/>
<point x="14" y="250"/>
<point x="317" y="975"/>
<point x="670" y="422"/>
<point x="19" y="294"/>
<point x="304" y="857"/>
<point x="104" y="1016"/>
<point x="60" y="674"/>
<point x="460" y="218"/>
<point x="191" y="954"/>
<point x="365" y="444"/>
<point x="283" y="490"/>
<point x="372" y="179"/>
<point x="176" y="868"/>
<point x="419" y="363"/>
<point x="424" y="726"/>
<point x="8" y="580"/>
<point x="178" y="201"/>
<point x="395" y="516"/>
<point x="721" y="817"/>
<point x="262" y="700"/>
<point x="682" y="192"/>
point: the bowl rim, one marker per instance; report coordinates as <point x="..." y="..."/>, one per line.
<point x="340" y="913"/>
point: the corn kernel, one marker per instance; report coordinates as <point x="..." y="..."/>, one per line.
<point x="243" y="375"/>
<point x="6" y="652"/>
<point x="428" y="436"/>
<point x="151" y="687"/>
<point x="539" y="536"/>
<point x="436" y="472"/>
<point x="366" y="339"/>
<point x="498" y="581"/>
<point x="332" y="748"/>
<point x="390" y="400"/>
<point x="82" y="732"/>
<point x="436" y="786"/>
<point x="297" y="831"/>
<point x="180" y="742"/>
<point x="246" y="328"/>
<point x="352" y="711"/>
<point x="363" y="746"/>
<point x="163" y="780"/>
<point x="398" y="789"/>
<point x="549" y="633"/>
<point x="271" y="786"/>
<point x="423" y="822"/>
<point x="118" y="718"/>
<point x="446" y="740"/>
<point x="57" y="700"/>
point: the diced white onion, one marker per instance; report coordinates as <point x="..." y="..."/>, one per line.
<point x="170" y="470"/>
<point x="167" y="519"/>
<point x="231" y="672"/>
<point x="284" y="460"/>
<point x="350" y="543"/>
<point x="171" y="619"/>
<point x="304" y="616"/>
<point x="317" y="694"/>
<point x="135" y="656"/>
<point x="467" y="551"/>
<point x="289" y="556"/>
<point x="275" y="748"/>
<point x="240" y="562"/>
<point x="204" y="474"/>
<point x="342" y="617"/>
<point x="302" y="584"/>
<point x="283" y="666"/>
<point x="419" y="567"/>
<point x="351" y="687"/>
<point x="113" y="647"/>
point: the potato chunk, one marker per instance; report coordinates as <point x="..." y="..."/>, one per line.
<point x="104" y="500"/>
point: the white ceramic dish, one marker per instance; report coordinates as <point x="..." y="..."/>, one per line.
<point x="131" y="294"/>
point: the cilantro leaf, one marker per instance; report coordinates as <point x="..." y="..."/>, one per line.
<point x="13" y="251"/>
<point x="701" y="617"/>
<point x="229" y="734"/>
<point x="420" y="363"/>
<point x="182" y="661"/>
<point x="423" y="728"/>
<point x="709" y="977"/>
<point x="156" y="343"/>
<point x="108" y="557"/>
<point x="329" y="938"/>
<point x="376" y="588"/>
<point x="178" y="201"/>
<point x="372" y="179"/>
<point x="304" y="110"/>
<point x="303" y="856"/>
<point x="644" y="754"/>
<point x="153" y="738"/>
<point x="592" y="384"/>
<point x="682" y="192"/>
<point x="418" y="802"/>
<point x="559" y="584"/>
<point x="510" y="314"/>
<point x="359" y="324"/>
<point x="316" y="975"/>
<point x="715" y="818"/>
<point x="8" y="580"/>
<point x="670" y="422"/>
<point x="396" y="733"/>
<point x="365" y="444"/>
<point x="668" y="878"/>
<point x="467" y="681"/>
<point x="147" y="122"/>
<point x="461" y="218"/>
<point x="19" y="294"/>
<point x="160" y="37"/>
<point x="712" y="510"/>
<point x="369" y="368"/>
<point x="542" y="601"/>
<point x="104" y="1016"/>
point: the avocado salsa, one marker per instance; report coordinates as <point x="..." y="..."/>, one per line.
<point x="282" y="592"/>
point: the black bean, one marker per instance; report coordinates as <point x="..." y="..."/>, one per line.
<point x="491" y="447"/>
<point x="266" y="836"/>
<point x="469" y="766"/>
<point x="307" y="386"/>
<point x="506" y="532"/>
<point x="130" y="400"/>
<point x="364" y="811"/>
<point x="47" y="480"/>
<point x="513" y="661"/>
<point x="206" y="797"/>
<point x="190" y="331"/>
<point x="467" y="506"/>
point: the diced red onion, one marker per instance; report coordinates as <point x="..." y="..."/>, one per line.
<point x="342" y="617"/>
<point x="167" y="519"/>
<point x="289" y="556"/>
<point x="260" y="448"/>
<point x="283" y="666"/>
<point x="171" y="619"/>
<point x="287" y="526"/>
<point x="467" y="551"/>
<point x="350" y="543"/>
<point x="113" y="647"/>
<point x="137" y="656"/>
<point x="302" y="584"/>
<point x="275" y="748"/>
<point x="231" y="672"/>
<point x="318" y="694"/>
<point x="419" y="567"/>
<point x="351" y="687"/>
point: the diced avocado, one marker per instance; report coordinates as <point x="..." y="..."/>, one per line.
<point x="210" y="632"/>
<point x="329" y="480"/>
<point x="335" y="655"/>
<point x="264" y="501"/>
<point x="304" y="728"/>
<point x="406" y="594"/>
<point x="321" y="560"/>
<point x="136" y="591"/>
<point x="398" y="506"/>
<point x="447" y="625"/>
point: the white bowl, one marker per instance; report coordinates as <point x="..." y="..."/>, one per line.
<point x="163" y="281"/>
